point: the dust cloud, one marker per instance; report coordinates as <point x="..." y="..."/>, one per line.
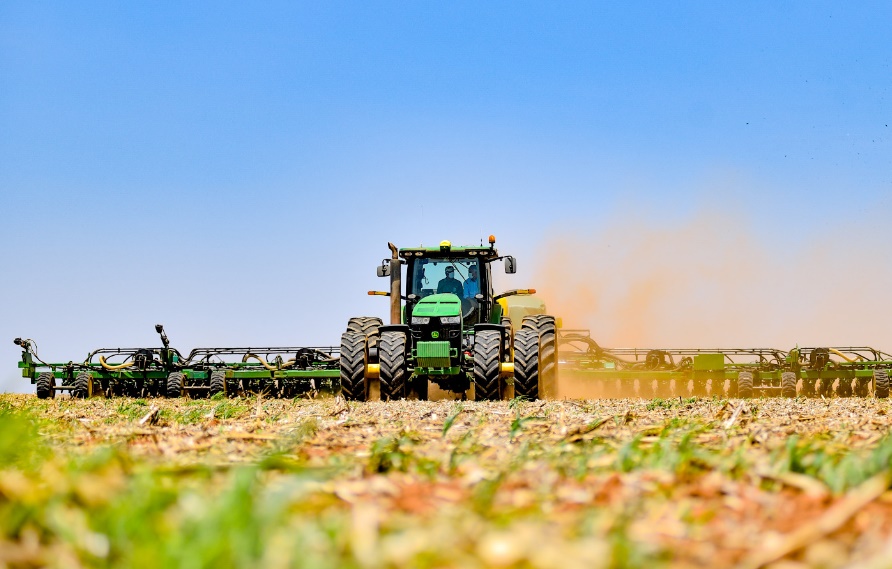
<point x="715" y="280"/>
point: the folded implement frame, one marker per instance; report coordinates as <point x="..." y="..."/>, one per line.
<point x="723" y="372"/>
<point x="158" y="372"/>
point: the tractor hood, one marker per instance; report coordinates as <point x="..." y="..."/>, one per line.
<point x="438" y="305"/>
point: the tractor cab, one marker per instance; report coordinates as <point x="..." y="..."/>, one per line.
<point x="462" y="273"/>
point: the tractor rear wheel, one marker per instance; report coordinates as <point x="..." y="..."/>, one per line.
<point x="526" y="364"/>
<point x="545" y="327"/>
<point x="745" y="385"/>
<point x="881" y="377"/>
<point x="365" y="325"/>
<point x="218" y="382"/>
<point x="368" y="327"/>
<point x="45" y="384"/>
<point x="175" y="384"/>
<point x="83" y="385"/>
<point x="487" y="358"/>
<point x="352" y="362"/>
<point x="788" y="384"/>
<point x="394" y="372"/>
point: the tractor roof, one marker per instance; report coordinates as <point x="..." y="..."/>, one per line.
<point x="445" y="248"/>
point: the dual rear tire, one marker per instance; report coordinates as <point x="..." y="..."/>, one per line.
<point x="360" y="339"/>
<point x="394" y="371"/>
<point x="487" y="366"/>
<point x="535" y="358"/>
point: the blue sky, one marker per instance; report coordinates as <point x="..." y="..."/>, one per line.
<point x="235" y="170"/>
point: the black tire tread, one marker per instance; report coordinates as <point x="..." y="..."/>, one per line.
<point x="394" y="374"/>
<point x="788" y="384"/>
<point x="526" y="364"/>
<point x="44" y="385"/>
<point x="175" y="384"/>
<point x="367" y="326"/>
<point x="352" y="366"/>
<point x="547" y="330"/>
<point x="745" y="385"/>
<point x="487" y="357"/>
<point x="218" y="382"/>
<point x="82" y="385"/>
<point x="881" y="389"/>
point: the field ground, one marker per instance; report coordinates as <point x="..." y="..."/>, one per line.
<point x="564" y="484"/>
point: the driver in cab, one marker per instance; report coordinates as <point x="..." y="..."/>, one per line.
<point x="450" y="284"/>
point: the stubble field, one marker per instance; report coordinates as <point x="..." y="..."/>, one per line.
<point x="252" y="482"/>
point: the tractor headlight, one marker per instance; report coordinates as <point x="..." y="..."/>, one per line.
<point x="421" y="319"/>
<point x="450" y="319"/>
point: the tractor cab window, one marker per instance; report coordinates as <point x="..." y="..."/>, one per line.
<point x="460" y="277"/>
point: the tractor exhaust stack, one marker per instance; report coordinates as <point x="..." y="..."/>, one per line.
<point x="395" y="284"/>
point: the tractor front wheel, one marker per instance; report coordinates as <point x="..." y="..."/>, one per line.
<point x="352" y="362"/>
<point x="526" y="364"/>
<point x="487" y="358"/>
<point x="394" y="373"/>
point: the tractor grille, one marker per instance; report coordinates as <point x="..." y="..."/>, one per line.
<point x="432" y="354"/>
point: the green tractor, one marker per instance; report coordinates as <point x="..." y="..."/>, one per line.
<point x="448" y="327"/>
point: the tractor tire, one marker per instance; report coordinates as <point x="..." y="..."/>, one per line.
<point x="175" y="385"/>
<point x="368" y="327"/>
<point x="83" y="386"/>
<point x="487" y="357"/>
<point x="365" y="325"/>
<point x="745" y="385"/>
<point x="788" y="384"/>
<point x="545" y="326"/>
<point x="881" y="377"/>
<point x="526" y="364"/>
<point x="352" y="363"/>
<point x="218" y="383"/>
<point x="45" y="384"/>
<point x="394" y="373"/>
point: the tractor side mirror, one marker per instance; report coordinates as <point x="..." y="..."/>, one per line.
<point x="510" y="265"/>
<point x="384" y="269"/>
